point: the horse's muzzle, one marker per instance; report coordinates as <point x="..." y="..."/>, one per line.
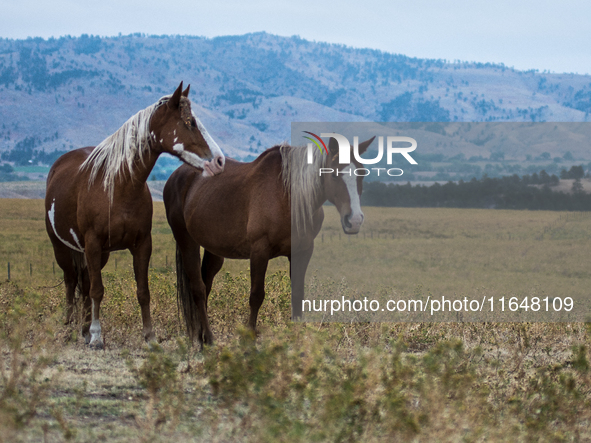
<point x="214" y="166"/>
<point x="352" y="223"/>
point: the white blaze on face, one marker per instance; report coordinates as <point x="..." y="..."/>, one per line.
<point x="213" y="146"/>
<point x="193" y="159"/>
<point x="356" y="218"/>
<point x="51" y="216"/>
<point x="216" y="152"/>
<point x="210" y="167"/>
<point x="187" y="156"/>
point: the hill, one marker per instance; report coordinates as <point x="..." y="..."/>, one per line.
<point x="59" y="94"/>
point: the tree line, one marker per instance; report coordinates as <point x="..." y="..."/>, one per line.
<point x="534" y="192"/>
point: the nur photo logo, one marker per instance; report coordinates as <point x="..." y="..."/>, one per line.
<point x="394" y="145"/>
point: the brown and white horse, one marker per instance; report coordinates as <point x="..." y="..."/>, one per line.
<point x="261" y="210"/>
<point x="97" y="201"/>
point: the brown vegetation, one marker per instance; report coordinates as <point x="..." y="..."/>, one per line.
<point x="296" y="382"/>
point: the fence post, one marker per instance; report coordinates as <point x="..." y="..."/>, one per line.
<point x="8" y="271"/>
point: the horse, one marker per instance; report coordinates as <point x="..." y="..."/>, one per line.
<point x="268" y="208"/>
<point x="97" y="201"/>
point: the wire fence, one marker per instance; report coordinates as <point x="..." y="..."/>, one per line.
<point x="123" y="260"/>
<point x="22" y="269"/>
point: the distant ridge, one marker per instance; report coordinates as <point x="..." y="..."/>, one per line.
<point x="71" y="92"/>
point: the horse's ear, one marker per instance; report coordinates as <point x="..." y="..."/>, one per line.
<point x="364" y="145"/>
<point x="186" y="91"/>
<point x="333" y="146"/>
<point x="175" y="100"/>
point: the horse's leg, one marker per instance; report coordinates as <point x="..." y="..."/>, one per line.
<point x="97" y="290"/>
<point x="298" y="264"/>
<point x="86" y="306"/>
<point x="87" y="302"/>
<point x="141" y="262"/>
<point x="209" y="268"/>
<point x="259" y="259"/>
<point x="192" y="290"/>
<point x="64" y="258"/>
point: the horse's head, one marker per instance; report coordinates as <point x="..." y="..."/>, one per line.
<point x="180" y="133"/>
<point x="343" y="186"/>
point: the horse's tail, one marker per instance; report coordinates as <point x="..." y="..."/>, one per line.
<point x="79" y="260"/>
<point x="184" y="297"/>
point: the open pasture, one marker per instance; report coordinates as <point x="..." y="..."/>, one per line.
<point x="311" y="381"/>
<point x="405" y="253"/>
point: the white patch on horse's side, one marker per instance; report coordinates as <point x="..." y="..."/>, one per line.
<point x="179" y="147"/>
<point x="175" y="139"/>
<point x="51" y="215"/>
<point x="174" y="133"/>
<point x="351" y="183"/>
<point x="213" y="146"/>
<point x="75" y="237"/>
<point x="161" y="140"/>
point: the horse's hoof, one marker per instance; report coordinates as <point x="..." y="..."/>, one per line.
<point x="151" y="338"/>
<point x="97" y="346"/>
<point x="154" y="346"/>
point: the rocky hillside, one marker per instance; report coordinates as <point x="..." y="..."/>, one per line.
<point x="59" y="94"/>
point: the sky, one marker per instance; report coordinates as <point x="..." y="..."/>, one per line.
<point x="524" y="34"/>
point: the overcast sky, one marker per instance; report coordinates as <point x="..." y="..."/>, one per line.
<point x="531" y="34"/>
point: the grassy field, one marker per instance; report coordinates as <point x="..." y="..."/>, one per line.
<point x="311" y="381"/>
<point x="451" y="253"/>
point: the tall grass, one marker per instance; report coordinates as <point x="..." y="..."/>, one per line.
<point x="312" y="381"/>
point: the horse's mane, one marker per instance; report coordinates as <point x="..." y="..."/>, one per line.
<point x="302" y="183"/>
<point x="116" y="154"/>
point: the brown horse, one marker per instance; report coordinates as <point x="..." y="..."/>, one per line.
<point x="97" y="201"/>
<point x="268" y="208"/>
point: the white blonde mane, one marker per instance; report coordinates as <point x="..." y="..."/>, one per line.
<point x="302" y="183"/>
<point x="115" y="155"/>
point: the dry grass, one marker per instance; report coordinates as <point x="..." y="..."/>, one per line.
<point x="453" y="253"/>
<point x="304" y="382"/>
